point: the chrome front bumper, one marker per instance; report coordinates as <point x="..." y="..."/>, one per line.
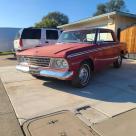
<point x="22" y="68"/>
<point x="47" y="73"/>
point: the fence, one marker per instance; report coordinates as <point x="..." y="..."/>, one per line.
<point x="128" y="36"/>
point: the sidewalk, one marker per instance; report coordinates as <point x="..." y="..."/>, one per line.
<point x="121" y="125"/>
<point x="9" y="125"/>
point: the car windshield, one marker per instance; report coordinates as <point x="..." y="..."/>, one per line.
<point x="80" y="36"/>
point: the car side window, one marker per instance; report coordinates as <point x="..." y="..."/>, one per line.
<point x="104" y="37"/>
<point x="31" y="33"/>
<point x="52" y="34"/>
<point x="90" y="37"/>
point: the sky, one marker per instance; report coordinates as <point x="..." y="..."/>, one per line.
<point x="25" y="13"/>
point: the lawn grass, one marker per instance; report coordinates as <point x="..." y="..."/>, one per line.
<point x="6" y="53"/>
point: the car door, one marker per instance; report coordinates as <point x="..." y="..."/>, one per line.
<point x="106" y="52"/>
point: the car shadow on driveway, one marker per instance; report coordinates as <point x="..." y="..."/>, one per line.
<point x="11" y="58"/>
<point x="111" y="85"/>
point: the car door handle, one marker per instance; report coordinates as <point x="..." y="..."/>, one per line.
<point x="46" y="42"/>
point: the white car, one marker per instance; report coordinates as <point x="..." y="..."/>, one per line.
<point x="32" y="37"/>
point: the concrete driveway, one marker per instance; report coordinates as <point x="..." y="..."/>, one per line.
<point x="7" y="60"/>
<point x="112" y="92"/>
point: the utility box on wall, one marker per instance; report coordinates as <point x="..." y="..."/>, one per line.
<point x="7" y="36"/>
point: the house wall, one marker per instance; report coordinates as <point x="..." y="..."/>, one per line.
<point x="7" y="36"/>
<point x="103" y="23"/>
<point x="123" y="22"/>
<point x="113" y="22"/>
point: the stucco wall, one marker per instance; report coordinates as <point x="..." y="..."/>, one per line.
<point x="123" y="22"/>
<point x="113" y="22"/>
<point x="103" y="23"/>
<point x="7" y="36"/>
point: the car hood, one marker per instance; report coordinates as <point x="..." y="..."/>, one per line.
<point x="56" y="50"/>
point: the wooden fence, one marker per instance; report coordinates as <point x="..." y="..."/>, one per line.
<point x="128" y="36"/>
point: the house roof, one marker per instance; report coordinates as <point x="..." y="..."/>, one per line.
<point x="99" y="17"/>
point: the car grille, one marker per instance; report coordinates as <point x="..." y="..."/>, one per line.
<point x="37" y="61"/>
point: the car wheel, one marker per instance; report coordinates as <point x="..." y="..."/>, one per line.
<point x="118" y="62"/>
<point x="84" y="75"/>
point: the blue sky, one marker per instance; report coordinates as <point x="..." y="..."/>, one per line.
<point x="24" y="13"/>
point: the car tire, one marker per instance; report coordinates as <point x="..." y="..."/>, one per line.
<point x="84" y="75"/>
<point x="118" y="62"/>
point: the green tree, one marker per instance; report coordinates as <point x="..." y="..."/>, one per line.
<point x="101" y="9"/>
<point x="52" y="20"/>
<point x="112" y="5"/>
<point x="115" y="5"/>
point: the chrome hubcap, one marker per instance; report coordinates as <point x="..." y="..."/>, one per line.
<point x="83" y="75"/>
<point x="119" y="59"/>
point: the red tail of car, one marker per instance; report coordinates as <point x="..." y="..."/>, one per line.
<point x="20" y="42"/>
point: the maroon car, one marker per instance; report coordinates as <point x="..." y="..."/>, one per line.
<point x="76" y="55"/>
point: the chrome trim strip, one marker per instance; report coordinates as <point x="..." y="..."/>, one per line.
<point x="47" y="73"/>
<point x="54" y="74"/>
<point x="89" y="51"/>
<point x="39" y="61"/>
<point x="106" y="59"/>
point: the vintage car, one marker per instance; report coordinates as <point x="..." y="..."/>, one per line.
<point x="75" y="57"/>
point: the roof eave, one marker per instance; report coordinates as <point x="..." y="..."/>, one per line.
<point x="126" y="14"/>
<point x="88" y="19"/>
<point x="99" y="17"/>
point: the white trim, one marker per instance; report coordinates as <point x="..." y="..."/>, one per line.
<point x="127" y="14"/>
<point x="88" y="19"/>
<point x="106" y="59"/>
<point x="89" y="51"/>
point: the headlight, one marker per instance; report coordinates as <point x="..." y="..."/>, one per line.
<point x="22" y="59"/>
<point x="58" y="63"/>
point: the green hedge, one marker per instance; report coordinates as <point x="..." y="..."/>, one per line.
<point x="6" y="53"/>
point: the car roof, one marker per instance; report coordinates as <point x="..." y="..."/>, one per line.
<point x="42" y="28"/>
